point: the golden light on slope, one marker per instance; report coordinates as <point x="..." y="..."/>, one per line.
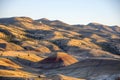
<point x="8" y="63"/>
<point x="43" y="49"/>
<point x="58" y="35"/>
<point x="57" y="60"/>
<point x="79" y="43"/>
<point x="23" y="55"/>
<point x="66" y="58"/>
<point x="23" y="19"/>
<point x="9" y="46"/>
<point x="69" y="78"/>
<point x="45" y="27"/>
<point x="3" y="36"/>
<point x="17" y="73"/>
<point x="16" y="31"/>
<point x="98" y="38"/>
<point x="47" y="43"/>
<point x="74" y="42"/>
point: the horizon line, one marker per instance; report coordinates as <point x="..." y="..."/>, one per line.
<point x="63" y="21"/>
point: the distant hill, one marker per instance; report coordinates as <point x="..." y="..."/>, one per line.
<point x="53" y="22"/>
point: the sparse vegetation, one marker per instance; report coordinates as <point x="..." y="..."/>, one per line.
<point x="29" y="48"/>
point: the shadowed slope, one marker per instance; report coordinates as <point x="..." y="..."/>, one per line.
<point x="9" y="46"/>
<point x="63" y="77"/>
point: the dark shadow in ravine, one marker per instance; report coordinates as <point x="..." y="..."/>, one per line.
<point x="112" y="46"/>
<point x="3" y="45"/>
<point x="39" y="34"/>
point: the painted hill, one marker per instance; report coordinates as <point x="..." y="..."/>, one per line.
<point x="57" y="60"/>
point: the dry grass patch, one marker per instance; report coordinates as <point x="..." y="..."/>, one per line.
<point x="98" y="38"/>
<point x="45" y="27"/>
<point x="24" y="55"/>
<point x="79" y="43"/>
<point x="43" y="49"/>
<point x="8" y="63"/>
<point x="18" y="73"/>
<point x="58" y="35"/>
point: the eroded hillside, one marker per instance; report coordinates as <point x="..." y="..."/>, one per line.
<point x="55" y="50"/>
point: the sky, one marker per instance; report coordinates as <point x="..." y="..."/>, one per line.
<point x="69" y="11"/>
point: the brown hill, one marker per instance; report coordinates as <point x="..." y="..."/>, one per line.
<point x="51" y="22"/>
<point x="57" y="60"/>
